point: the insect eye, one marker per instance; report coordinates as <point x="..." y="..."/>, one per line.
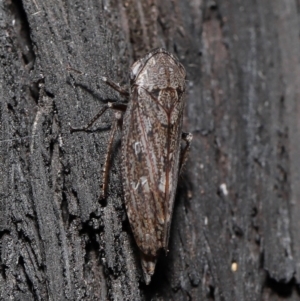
<point x="135" y="69"/>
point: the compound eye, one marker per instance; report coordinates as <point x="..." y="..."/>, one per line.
<point x="135" y="69"/>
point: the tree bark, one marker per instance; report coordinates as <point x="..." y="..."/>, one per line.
<point x="235" y="231"/>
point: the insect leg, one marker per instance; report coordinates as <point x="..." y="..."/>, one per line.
<point x="187" y="137"/>
<point x="115" y="106"/>
<point x="86" y="80"/>
<point x="123" y="91"/>
<point x="105" y="170"/>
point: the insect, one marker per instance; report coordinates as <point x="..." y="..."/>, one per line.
<point x="152" y="155"/>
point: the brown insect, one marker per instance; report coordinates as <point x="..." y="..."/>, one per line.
<point x="152" y="155"/>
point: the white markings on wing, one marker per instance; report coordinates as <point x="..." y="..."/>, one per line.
<point x="143" y="180"/>
<point x="148" y="125"/>
<point x="162" y="183"/>
<point x="145" y="184"/>
<point x="137" y="147"/>
<point x="135" y="187"/>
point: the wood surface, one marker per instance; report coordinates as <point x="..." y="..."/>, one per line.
<point x="235" y="231"/>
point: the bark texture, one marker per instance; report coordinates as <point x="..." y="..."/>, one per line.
<point x="235" y="232"/>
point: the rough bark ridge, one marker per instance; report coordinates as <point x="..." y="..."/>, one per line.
<point x="235" y="232"/>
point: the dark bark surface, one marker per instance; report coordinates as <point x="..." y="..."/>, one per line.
<point x="235" y="231"/>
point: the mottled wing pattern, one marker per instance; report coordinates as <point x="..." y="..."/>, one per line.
<point x="151" y="146"/>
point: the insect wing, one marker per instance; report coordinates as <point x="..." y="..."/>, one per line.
<point x="151" y="146"/>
